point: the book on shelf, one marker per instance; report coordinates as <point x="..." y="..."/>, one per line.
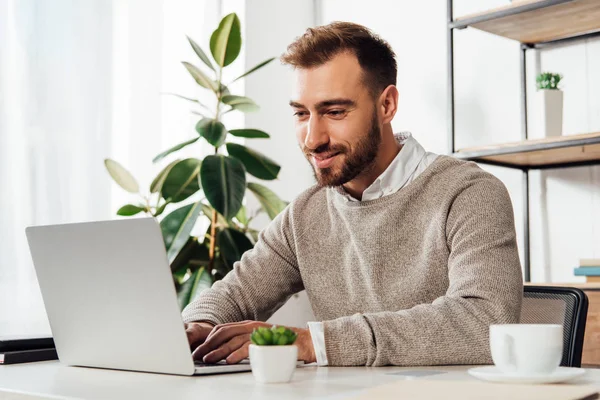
<point x="587" y="271"/>
<point x="592" y="279"/>
<point x="589" y="262"/>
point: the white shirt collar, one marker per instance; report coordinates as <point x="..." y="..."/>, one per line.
<point x="397" y="174"/>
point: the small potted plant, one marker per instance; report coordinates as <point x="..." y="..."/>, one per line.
<point x="550" y="104"/>
<point x="273" y="355"/>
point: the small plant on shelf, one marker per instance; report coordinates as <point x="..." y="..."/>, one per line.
<point x="548" y="80"/>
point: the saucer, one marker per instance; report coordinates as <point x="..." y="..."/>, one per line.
<point x="493" y="374"/>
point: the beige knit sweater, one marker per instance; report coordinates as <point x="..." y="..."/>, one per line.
<point x="413" y="278"/>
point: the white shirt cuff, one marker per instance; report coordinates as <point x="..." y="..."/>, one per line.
<point x="317" y="333"/>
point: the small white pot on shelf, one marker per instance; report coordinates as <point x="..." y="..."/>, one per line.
<point x="550" y="113"/>
<point x="273" y="364"/>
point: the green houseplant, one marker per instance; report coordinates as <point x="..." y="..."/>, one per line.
<point x="548" y="80"/>
<point x="273" y="356"/>
<point x="549" y="102"/>
<point x="213" y="187"/>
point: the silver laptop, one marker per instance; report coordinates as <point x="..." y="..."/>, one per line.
<point x="110" y="297"/>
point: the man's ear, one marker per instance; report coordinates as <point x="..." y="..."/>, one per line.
<point x="388" y="101"/>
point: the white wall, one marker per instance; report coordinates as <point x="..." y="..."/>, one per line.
<point x="270" y="26"/>
<point x="79" y="82"/>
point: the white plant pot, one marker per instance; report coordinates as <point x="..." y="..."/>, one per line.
<point x="550" y="113"/>
<point x="273" y="364"/>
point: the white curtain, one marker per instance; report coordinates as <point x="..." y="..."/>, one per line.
<point x="81" y="81"/>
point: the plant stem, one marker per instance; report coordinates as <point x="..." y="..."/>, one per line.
<point x="148" y="207"/>
<point x="213" y="225"/>
<point x="211" y="248"/>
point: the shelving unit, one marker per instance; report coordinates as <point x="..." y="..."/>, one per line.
<point x="535" y="24"/>
<point x="560" y="152"/>
<point x="535" y="21"/>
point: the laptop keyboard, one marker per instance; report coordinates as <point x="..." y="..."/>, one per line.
<point x="220" y="363"/>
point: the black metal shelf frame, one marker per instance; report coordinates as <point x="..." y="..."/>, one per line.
<point x="465" y="23"/>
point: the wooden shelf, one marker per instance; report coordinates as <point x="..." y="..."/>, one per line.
<point x="563" y="151"/>
<point x="537" y="21"/>
<point x="578" y="285"/>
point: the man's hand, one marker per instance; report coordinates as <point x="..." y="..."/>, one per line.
<point x="230" y="342"/>
<point x="197" y="332"/>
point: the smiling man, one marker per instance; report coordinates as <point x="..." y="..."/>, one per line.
<point x="407" y="257"/>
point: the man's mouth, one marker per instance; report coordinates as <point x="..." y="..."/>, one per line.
<point x="324" y="160"/>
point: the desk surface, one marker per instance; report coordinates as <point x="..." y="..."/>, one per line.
<point x="54" y="380"/>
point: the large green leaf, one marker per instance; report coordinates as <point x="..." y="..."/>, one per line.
<point x="250" y="133"/>
<point x="242" y="216"/>
<point x="200" y="78"/>
<point x="158" y="182"/>
<point x="201" y="54"/>
<point x="226" y="40"/>
<point x="232" y="244"/>
<point x="159" y="210"/>
<point x="182" y="258"/>
<point x="224" y="90"/>
<point x="241" y="103"/>
<point x="256" y="164"/>
<point x="182" y="180"/>
<point x="173" y="149"/>
<point x="270" y="202"/>
<point x="189" y="291"/>
<point x="129" y="210"/>
<point x="121" y="176"/>
<point x="212" y="130"/>
<point x="176" y="228"/>
<point x="179" y="275"/>
<point x="259" y="66"/>
<point x="224" y="182"/>
<point x="192" y="254"/>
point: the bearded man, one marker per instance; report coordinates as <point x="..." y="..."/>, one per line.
<point x="406" y="256"/>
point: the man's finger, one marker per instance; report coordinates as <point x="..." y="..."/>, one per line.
<point x="223" y="334"/>
<point x="238" y="355"/>
<point x="224" y="350"/>
<point x="217" y="328"/>
<point x="196" y="334"/>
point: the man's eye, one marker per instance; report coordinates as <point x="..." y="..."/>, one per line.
<point x="299" y="114"/>
<point x="336" y="113"/>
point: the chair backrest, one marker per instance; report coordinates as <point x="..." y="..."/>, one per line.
<point x="565" y="306"/>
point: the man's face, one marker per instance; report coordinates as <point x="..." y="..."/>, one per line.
<point x="337" y="126"/>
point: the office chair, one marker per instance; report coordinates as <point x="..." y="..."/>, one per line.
<point x="565" y="306"/>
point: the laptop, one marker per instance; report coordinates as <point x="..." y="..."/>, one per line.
<point x="110" y="297"/>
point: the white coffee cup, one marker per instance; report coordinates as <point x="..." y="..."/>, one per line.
<point x="526" y="349"/>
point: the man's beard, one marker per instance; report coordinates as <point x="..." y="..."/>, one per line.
<point x="361" y="160"/>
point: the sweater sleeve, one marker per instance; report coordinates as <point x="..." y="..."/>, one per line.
<point x="260" y="283"/>
<point x="485" y="287"/>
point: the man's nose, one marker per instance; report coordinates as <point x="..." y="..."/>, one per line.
<point x="316" y="134"/>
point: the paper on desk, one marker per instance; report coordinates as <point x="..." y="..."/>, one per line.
<point x="470" y="390"/>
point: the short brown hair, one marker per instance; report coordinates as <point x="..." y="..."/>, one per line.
<point x="319" y="45"/>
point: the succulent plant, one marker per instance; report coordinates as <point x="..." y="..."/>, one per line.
<point x="548" y="80"/>
<point x="274" y="336"/>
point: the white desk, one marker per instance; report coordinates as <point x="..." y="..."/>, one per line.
<point x="53" y="380"/>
